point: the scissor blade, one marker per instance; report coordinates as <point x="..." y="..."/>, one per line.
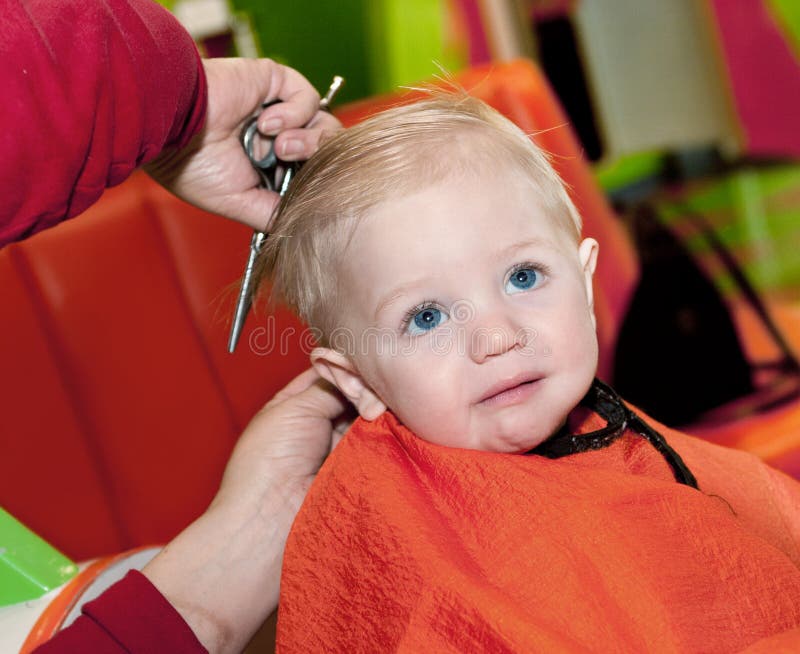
<point x="245" y="298"/>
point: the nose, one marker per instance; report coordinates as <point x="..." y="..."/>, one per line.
<point x="495" y="333"/>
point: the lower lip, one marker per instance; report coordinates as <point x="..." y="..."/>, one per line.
<point x="513" y="395"/>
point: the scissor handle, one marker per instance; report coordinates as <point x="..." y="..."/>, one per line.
<point x="270" y="160"/>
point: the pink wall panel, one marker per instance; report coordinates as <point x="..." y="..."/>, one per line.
<point x="764" y="76"/>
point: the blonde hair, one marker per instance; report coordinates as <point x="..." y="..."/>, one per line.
<point x="396" y="152"/>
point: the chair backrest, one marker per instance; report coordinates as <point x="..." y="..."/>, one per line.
<point x="519" y="91"/>
<point x="119" y="403"/>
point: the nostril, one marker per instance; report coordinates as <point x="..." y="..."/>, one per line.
<point x="525" y="338"/>
<point x="487" y="342"/>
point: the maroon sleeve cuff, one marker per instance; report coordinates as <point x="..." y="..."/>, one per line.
<point x="131" y="616"/>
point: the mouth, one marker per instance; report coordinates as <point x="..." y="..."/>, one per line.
<point x="511" y="391"/>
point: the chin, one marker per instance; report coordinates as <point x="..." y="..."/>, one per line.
<point x="518" y="439"/>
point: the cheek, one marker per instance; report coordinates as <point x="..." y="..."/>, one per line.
<point x="418" y="384"/>
<point x="571" y="336"/>
<point x="583" y="349"/>
<point x="433" y="408"/>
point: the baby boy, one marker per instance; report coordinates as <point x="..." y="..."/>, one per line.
<point x="439" y="257"/>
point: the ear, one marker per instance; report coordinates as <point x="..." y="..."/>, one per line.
<point x="587" y="254"/>
<point x="339" y="371"/>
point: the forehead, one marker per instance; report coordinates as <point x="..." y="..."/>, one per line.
<point x="457" y="226"/>
<point x="449" y="214"/>
<point x="380" y="173"/>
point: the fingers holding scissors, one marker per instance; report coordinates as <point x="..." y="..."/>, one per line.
<point x="294" y="116"/>
<point x="288" y="102"/>
<point x="212" y="171"/>
<point x="300" y="144"/>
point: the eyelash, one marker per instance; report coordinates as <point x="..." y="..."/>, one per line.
<point x="413" y="311"/>
<point x="539" y="268"/>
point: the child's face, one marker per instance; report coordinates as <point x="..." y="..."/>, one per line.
<point x="471" y="314"/>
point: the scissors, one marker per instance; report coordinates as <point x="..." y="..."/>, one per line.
<point x="275" y="176"/>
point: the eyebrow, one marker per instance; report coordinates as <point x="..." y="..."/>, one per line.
<point x="397" y="293"/>
<point x="511" y="250"/>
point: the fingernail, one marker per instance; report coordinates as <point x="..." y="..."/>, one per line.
<point x="292" y="146"/>
<point x="271" y="125"/>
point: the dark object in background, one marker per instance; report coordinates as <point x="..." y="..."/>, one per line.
<point x="561" y="63"/>
<point x="678" y="354"/>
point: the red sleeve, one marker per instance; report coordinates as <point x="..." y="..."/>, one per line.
<point x="131" y="616"/>
<point x="91" y="90"/>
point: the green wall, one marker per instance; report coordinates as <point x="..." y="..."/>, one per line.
<point x="376" y="45"/>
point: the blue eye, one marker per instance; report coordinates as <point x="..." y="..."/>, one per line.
<point x="425" y="319"/>
<point x="522" y="279"/>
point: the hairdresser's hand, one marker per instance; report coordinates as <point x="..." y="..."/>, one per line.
<point x="286" y="443"/>
<point x="212" y="172"/>
<point x="223" y="572"/>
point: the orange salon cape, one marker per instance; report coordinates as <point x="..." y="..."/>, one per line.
<point x="402" y="545"/>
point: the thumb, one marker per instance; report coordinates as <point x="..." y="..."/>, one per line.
<point x="311" y="394"/>
<point x="321" y="400"/>
<point x="253" y="207"/>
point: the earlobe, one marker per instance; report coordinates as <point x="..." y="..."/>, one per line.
<point x="339" y="371"/>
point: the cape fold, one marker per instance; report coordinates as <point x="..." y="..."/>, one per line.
<point x="403" y="545"/>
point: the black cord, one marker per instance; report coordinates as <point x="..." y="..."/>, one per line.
<point x="604" y="401"/>
<point x="789" y="362"/>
